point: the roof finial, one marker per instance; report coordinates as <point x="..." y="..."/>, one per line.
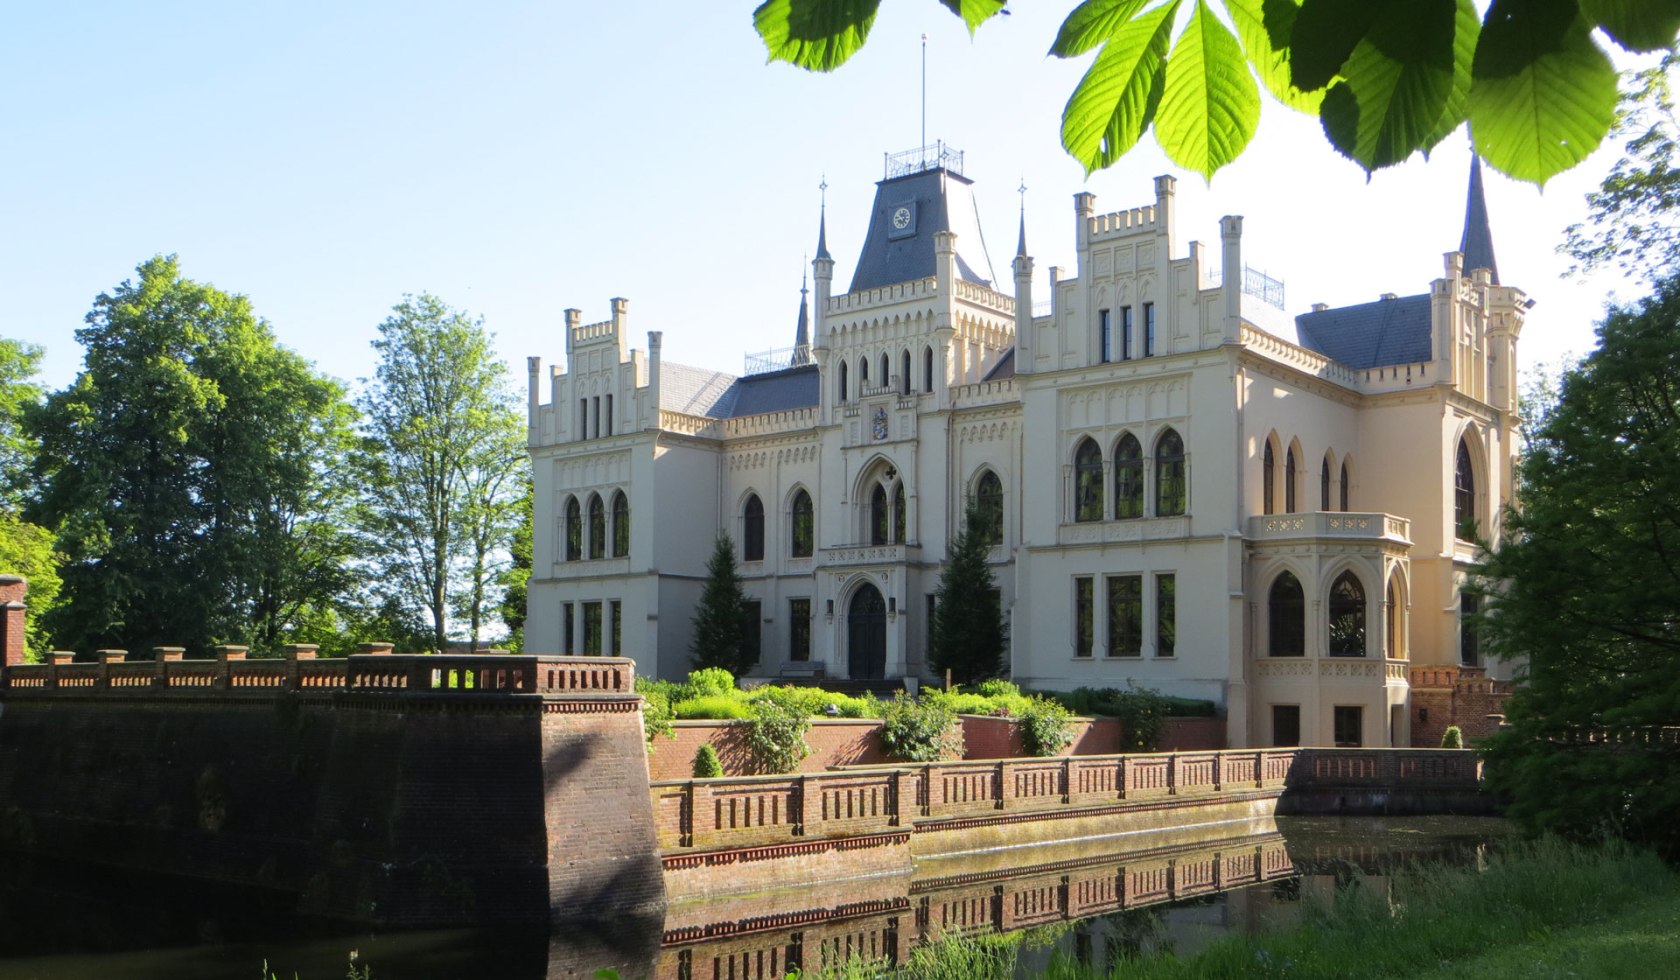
<point x="1477" y="243"/>
<point x="822" y="222"/>
<point x="1021" y="243"/>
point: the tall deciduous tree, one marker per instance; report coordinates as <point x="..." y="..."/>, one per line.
<point x="441" y="425"/>
<point x="19" y="394"/>
<point x="189" y="473"/>
<point x="969" y="635"/>
<point x="516" y="577"/>
<point x="720" y="621"/>
<point x="1587" y="589"/>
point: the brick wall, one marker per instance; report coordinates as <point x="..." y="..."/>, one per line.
<point x="833" y="742"/>
<point x="12" y="590"/>
<point x="1462" y="696"/>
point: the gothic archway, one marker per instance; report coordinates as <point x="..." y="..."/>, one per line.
<point x="866" y="635"/>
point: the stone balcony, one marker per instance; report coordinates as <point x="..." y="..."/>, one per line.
<point x="869" y="554"/>
<point x="1318" y="525"/>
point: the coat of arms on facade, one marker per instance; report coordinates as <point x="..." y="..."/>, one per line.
<point x="880" y="423"/>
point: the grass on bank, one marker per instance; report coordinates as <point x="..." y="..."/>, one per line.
<point x="1538" y="909"/>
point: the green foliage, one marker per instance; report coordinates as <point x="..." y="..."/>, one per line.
<point x="997" y="687"/>
<point x="706" y="762"/>
<point x="815" y="701"/>
<point x="712" y="680"/>
<point x="920" y="730"/>
<point x="27" y="549"/>
<point x="656" y="709"/>
<point x="1452" y="738"/>
<point x="969" y="634"/>
<point x="776" y="736"/>
<point x="515" y="577"/>
<point x="19" y="395"/>
<point x="1388" y="77"/>
<point x="443" y="457"/>
<point x="1142" y="712"/>
<point x="1582" y="590"/>
<point x="1046" y="727"/>
<point x="720" y="623"/>
<point x="716" y="707"/>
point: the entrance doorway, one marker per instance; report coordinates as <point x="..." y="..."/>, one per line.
<point x="866" y="635"/>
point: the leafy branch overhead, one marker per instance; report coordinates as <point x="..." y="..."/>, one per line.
<point x="1387" y="78"/>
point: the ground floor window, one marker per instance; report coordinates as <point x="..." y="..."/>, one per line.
<point x="1084" y="614"/>
<point x="1166" y="615"/>
<point x="1125" y="615"/>
<point x="1286" y="724"/>
<point x="568" y="643"/>
<point x="1349" y="726"/>
<point x="753" y="611"/>
<point x="799" y="630"/>
<point x="617" y="626"/>
<point x="592" y="629"/>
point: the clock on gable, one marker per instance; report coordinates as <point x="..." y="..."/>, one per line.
<point x="901" y="220"/>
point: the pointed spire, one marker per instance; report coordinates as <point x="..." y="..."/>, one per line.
<point x="1021" y="243"/>
<point x="1477" y="243"/>
<point x="802" y="333"/>
<point x="822" y="222"/>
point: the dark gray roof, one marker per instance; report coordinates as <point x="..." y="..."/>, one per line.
<point x="1389" y="331"/>
<point x="938" y="200"/>
<point x="1004" y="368"/>
<point x="1477" y="242"/>
<point x="713" y="394"/>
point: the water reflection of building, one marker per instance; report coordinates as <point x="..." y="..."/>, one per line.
<point x="1195" y="490"/>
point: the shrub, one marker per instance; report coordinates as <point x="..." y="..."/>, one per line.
<point x="711" y="680"/>
<point x="656" y="709"/>
<point x="1046" y="727"/>
<point x="997" y="687"/>
<point x="706" y="763"/>
<point x="1452" y="738"/>
<point x="961" y="703"/>
<point x="717" y="707"/>
<point x="921" y="730"/>
<point x="1142" y="712"/>
<point x="777" y="734"/>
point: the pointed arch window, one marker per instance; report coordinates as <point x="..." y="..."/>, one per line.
<point x="803" y="537"/>
<point x="878" y="516"/>
<point x="1087" y="482"/>
<point x="927" y="369"/>
<point x="988" y="503"/>
<point x="597" y="527"/>
<point x="843" y="395"/>
<point x="1289" y="481"/>
<point x="1391" y="609"/>
<point x="1268" y="473"/>
<point x="1324" y="484"/>
<point x="906" y="380"/>
<point x="886" y="370"/>
<point x="752" y="529"/>
<point x="1344" y="486"/>
<point x="863" y="374"/>
<point x="1347" y="616"/>
<point x="574" y="529"/>
<point x="1464" y="494"/>
<point x="1128" y="477"/>
<point x="1286" y="615"/>
<point x="1171" y="489"/>
<point x="621" y="525"/>
<point x="899" y="514"/>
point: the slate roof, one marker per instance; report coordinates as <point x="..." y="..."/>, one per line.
<point x="713" y="394"/>
<point x="1389" y="331"/>
<point x="1004" y="368"/>
<point x="1477" y="241"/>
<point x="941" y="201"/>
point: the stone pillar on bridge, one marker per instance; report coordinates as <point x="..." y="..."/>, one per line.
<point x="12" y="618"/>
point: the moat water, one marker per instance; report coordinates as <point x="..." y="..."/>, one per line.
<point x="76" y="922"/>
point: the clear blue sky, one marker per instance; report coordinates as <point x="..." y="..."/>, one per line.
<point x="520" y="158"/>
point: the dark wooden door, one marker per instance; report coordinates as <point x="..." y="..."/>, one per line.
<point x="866" y="635"/>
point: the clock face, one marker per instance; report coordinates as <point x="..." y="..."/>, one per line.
<point x="901" y="218"/>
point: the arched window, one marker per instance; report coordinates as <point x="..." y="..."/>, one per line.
<point x="988" y="505"/>
<point x="843" y="395"/>
<point x="1268" y="474"/>
<point x="886" y="370"/>
<point x="1170" y="489"/>
<point x="863" y="375"/>
<point x="1324" y="484"/>
<point x="803" y="539"/>
<point x="1347" y="616"/>
<point x="1345" y="485"/>
<point x="927" y="369"/>
<point x="1087" y="482"/>
<point x="878" y="516"/>
<point x="1392" y="611"/>
<point x="1464" y="495"/>
<point x="1128" y="477"/>
<point x="899" y="514"/>
<point x="1289" y="481"/>
<point x="906" y="380"/>
<point x="621" y="525"/>
<point x="752" y="530"/>
<point x="1286" y="614"/>
<point x="574" y="529"/>
<point x="597" y="527"/>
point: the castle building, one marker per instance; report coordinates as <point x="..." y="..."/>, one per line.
<point x="1195" y="491"/>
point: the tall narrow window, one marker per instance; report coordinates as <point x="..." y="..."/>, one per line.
<point x="1125" y="333"/>
<point x="1464" y="495"/>
<point x="1128" y="477"/>
<point x="752" y="530"/>
<point x="592" y="629"/>
<point x="1084" y="611"/>
<point x="1290" y="478"/>
<point x="1087" y="482"/>
<point x="583" y="418"/>
<point x="574" y="529"/>
<point x="863" y="376"/>
<point x="803" y="536"/>
<point x="1469" y="650"/>
<point x="1324" y="484"/>
<point x="1105" y="331"/>
<point x="1344" y="487"/>
<point x="886" y="370"/>
<point x="1268" y="481"/>
<point x="1125" y="615"/>
<point x="1286" y="614"/>
<point x="609" y="415"/>
<point x="597" y="527"/>
<point x="621" y="525"/>
<point x="1392" y="612"/>
<point x="905" y="379"/>
<point x="616" y="631"/>
<point x="1170" y="487"/>
<point x="1149" y="330"/>
<point x="899" y="514"/>
<point x="1347" y="616"/>
<point x="988" y="503"/>
<point x="843" y="395"/>
<point x="1166" y="615"/>
<point x="568" y="639"/>
<point x="595" y="417"/>
<point x="879" y="519"/>
<point x="799" y="630"/>
<point x="927" y="369"/>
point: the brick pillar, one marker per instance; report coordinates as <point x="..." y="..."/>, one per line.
<point x="12" y="618"/>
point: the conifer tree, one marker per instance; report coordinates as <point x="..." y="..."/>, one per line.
<point x="968" y="630"/>
<point x="720" y="622"/>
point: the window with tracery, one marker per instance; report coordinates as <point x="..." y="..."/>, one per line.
<point x="1128" y="477"/>
<point x="803" y="534"/>
<point x="752" y="529"/>
<point x="1171" y="489"/>
<point x="1087" y="482"/>
<point x="1347" y="616"/>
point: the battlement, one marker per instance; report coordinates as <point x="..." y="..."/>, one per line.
<point x="1118" y="223"/>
